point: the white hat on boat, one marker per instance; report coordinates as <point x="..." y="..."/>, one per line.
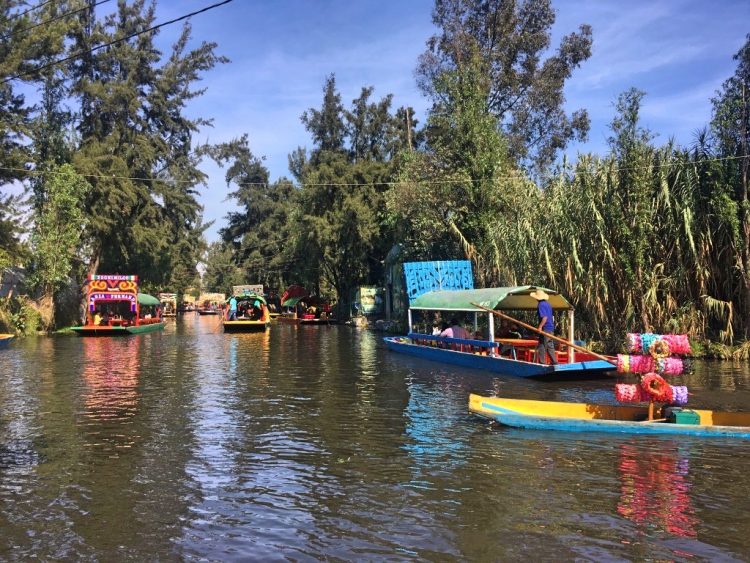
<point x="539" y="295"/>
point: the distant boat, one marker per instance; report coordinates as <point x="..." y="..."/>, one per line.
<point x="254" y="314"/>
<point x="209" y="303"/>
<point x="168" y="304"/>
<point x="585" y="417"/>
<point x="5" y="340"/>
<point x="115" y="307"/>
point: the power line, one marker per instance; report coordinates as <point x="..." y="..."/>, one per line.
<point x="58" y="17"/>
<point x="366" y="184"/>
<point x="114" y="42"/>
<point x="40" y="5"/>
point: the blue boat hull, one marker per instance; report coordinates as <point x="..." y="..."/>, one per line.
<point x="497" y="364"/>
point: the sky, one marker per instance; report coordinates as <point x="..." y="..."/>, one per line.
<point x="678" y="51"/>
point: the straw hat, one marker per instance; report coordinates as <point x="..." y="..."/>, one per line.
<point x="539" y="295"/>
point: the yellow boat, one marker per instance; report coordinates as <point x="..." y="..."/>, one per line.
<point x="587" y="417"/>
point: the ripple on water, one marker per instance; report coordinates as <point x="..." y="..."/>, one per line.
<point x="316" y="443"/>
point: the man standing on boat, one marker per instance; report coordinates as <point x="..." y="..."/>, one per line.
<point x="546" y="346"/>
<point x="232" y="308"/>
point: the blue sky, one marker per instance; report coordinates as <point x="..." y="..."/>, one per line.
<point x="677" y="51"/>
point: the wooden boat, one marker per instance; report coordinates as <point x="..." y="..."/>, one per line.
<point x="584" y="417"/>
<point x="126" y="310"/>
<point x="301" y="308"/>
<point x="209" y="303"/>
<point x="248" y="322"/>
<point x="5" y="340"/>
<point x="499" y="355"/>
<point x="168" y="304"/>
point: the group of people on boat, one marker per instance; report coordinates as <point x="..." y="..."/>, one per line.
<point x="244" y="309"/>
<point x="545" y="349"/>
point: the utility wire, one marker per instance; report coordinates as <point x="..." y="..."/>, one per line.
<point x="364" y="184"/>
<point x="116" y="41"/>
<point x="58" y="17"/>
<point x="41" y="5"/>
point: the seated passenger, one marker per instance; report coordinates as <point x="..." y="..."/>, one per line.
<point x="456" y="330"/>
<point x="97" y="318"/>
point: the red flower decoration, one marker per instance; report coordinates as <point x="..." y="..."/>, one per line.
<point x="657" y="387"/>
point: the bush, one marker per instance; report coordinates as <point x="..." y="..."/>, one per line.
<point x="18" y="315"/>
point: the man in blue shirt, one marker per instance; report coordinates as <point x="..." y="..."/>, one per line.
<point x="546" y="346"/>
<point x="232" y="308"/>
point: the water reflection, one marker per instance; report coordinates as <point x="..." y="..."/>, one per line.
<point x="110" y="373"/>
<point x="655" y="491"/>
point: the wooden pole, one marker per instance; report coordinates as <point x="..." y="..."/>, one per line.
<point x="552" y="336"/>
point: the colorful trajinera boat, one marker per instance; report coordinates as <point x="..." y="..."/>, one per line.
<point x="301" y="308"/>
<point x="168" y="304"/>
<point x="252" y="314"/>
<point x="115" y="307"/>
<point x="5" y="340"/>
<point x="210" y="303"/>
<point x="586" y="417"/>
<point x="511" y="356"/>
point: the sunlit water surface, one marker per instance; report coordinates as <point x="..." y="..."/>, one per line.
<point x="309" y="443"/>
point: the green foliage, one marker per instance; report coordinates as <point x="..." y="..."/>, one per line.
<point x="524" y="90"/>
<point x="60" y="221"/>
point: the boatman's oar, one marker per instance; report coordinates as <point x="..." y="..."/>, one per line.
<point x="548" y="335"/>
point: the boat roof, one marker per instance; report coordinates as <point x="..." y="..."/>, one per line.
<point x="248" y="297"/>
<point x="502" y="298"/>
<point x="146" y="299"/>
<point x="292" y="301"/>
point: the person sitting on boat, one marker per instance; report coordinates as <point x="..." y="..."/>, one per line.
<point x="105" y="319"/>
<point x="455" y="330"/>
<point x="232" y="308"/>
<point x="546" y="346"/>
<point x="97" y="317"/>
<point x="504" y="331"/>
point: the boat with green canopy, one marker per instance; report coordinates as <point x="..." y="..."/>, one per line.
<point x="251" y="314"/>
<point x="115" y="307"/>
<point x="485" y="349"/>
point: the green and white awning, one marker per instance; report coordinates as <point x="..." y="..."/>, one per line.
<point x="501" y="298"/>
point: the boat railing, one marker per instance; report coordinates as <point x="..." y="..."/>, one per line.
<point x="458" y="344"/>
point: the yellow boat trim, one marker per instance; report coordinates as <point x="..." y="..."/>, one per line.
<point x="588" y="411"/>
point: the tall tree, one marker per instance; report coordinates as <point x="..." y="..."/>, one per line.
<point x="136" y="145"/>
<point x="56" y="237"/>
<point x="525" y="90"/>
<point x="342" y="234"/>
<point x="259" y="231"/>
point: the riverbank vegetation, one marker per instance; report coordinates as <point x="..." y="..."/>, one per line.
<point x="645" y="237"/>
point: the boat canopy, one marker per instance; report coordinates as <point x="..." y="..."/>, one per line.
<point x="146" y="299"/>
<point x="249" y="297"/>
<point x="503" y="298"/>
<point x="292" y="301"/>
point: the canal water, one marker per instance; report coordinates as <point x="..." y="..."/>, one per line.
<point x="309" y="443"/>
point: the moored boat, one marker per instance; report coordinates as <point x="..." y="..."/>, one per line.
<point x="508" y="356"/>
<point x="251" y="314"/>
<point x="115" y="307"/>
<point x="5" y="339"/>
<point x="585" y="417"/>
<point x="301" y="308"/>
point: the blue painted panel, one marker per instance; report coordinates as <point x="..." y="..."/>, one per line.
<point x="447" y="275"/>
